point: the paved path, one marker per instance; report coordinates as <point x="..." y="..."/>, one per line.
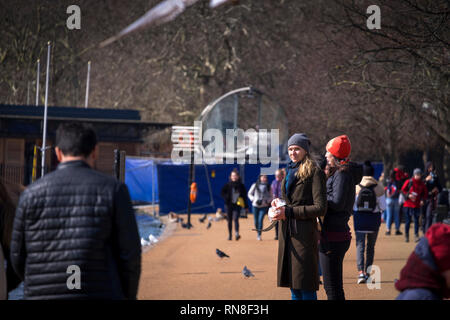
<point x="184" y="265"/>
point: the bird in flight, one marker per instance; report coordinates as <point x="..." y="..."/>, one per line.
<point x="163" y="12"/>
<point x="221" y="254"/>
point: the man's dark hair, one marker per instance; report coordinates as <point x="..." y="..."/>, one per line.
<point x="76" y="139"/>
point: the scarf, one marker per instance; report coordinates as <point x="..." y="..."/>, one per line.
<point x="291" y="169"/>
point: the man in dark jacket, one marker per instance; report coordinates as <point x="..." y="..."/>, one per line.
<point x="75" y="235"/>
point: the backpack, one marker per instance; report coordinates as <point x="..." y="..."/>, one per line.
<point x="367" y="199"/>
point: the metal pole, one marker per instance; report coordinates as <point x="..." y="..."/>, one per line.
<point x="37" y="81"/>
<point x="44" y="134"/>
<point x="153" y="187"/>
<point x="191" y="175"/>
<point x="87" y="85"/>
<point x="28" y="93"/>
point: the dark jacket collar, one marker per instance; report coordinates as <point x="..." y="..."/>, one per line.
<point x="73" y="164"/>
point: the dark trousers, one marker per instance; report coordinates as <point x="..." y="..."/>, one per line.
<point x="412" y="213"/>
<point x="233" y="213"/>
<point x="332" y="269"/>
<point x="427" y="215"/>
<point x="361" y="246"/>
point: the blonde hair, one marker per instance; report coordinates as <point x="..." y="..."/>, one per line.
<point x="306" y="168"/>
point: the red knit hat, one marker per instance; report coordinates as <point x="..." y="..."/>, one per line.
<point x="438" y="236"/>
<point x="339" y="147"/>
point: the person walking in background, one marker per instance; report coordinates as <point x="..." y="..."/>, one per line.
<point x="426" y="275"/>
<point x="261" y="197"/>
<point x="367" y="220"/>
<point x="392" y="205"/>
<point x="415" y="192"/>
<point x="400" y="177"/>
<point x="75" y="234"/>
<point x="233" y="192"/>
<point x="304" y="191"/>
<point x="382" y="182"/>
<point x="275" y="188"/>
<point x="336" y="235"/>
<point x="434" y="188"/>
<point x="8" y="278"/>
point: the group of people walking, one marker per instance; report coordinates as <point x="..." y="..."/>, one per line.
<point x="261" y="194"/>
<point x="411" y="198"/>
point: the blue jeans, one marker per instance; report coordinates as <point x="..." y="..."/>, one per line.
<point x="415" y="213"/>
<point x="361" y="246"/>
<point x="258" y="215"/>
<point x="392" y="212"/>
<point x="297" y="294"/>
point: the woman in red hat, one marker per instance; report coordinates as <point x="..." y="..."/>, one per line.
<point x="336" y="235"/>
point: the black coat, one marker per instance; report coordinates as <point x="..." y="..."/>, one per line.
<point x="227" y="192"/>
<point x="341" y="198"/>
<point x="76" y="216"/>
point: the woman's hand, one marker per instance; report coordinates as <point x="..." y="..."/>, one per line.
<point x="274" y="203"/>
<point x="279" y="214"/>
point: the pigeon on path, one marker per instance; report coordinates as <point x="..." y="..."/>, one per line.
<point x="209" y="225"/>
<point x="247" y="273"/>
<point x="152" y="239"/>
<point x="202" y="219"/>
<point x="221" y="254"/>
<point x="144" y="242"/>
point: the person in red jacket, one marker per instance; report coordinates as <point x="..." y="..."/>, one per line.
<point x="415" y="192"/>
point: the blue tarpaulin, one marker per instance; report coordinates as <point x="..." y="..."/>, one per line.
<point x="141" y="179"/>
<point x="171" y="183"/>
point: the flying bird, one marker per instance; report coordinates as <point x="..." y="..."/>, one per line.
<point x="202" y="219"/>
<point x="209" y="225"/>
<point x="163" y="12"/>
<point x="221" y="254"/>
<point x="216" y="3"/>
<point x="247" y="273"/>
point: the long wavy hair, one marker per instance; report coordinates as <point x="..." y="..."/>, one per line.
<point x="306" y="167"/>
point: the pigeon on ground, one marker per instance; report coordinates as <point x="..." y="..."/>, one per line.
<point x="209" y="225"/>
<point x="202" y="219"/>
<point x="152" y="239"/>
<point x="247" y="273"/>
<point x="221" y="254"/>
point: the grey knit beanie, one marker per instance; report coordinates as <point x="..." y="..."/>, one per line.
<point x="301" y="140"/>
